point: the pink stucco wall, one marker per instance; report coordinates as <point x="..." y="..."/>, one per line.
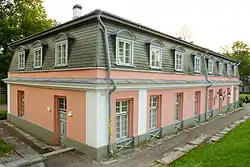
<point x="38" y="99"/>
<point x="168" y="103"/>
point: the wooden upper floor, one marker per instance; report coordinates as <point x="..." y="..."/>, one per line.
<point x="79" y="44"/>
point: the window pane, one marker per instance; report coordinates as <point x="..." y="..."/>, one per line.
<point x="118" y="127"/>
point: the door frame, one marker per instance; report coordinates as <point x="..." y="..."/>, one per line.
<point x="56" y="120"/>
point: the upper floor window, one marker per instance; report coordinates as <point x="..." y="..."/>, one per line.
<point x="37" y="57"/>
<point x="210" y="66"/>
<point x="61" y="57"/>
<point x="155" y="57"/>
<point x="179" y="61"/>
<point x="228" y="69"/>
<point x="197" y="64"/>
<point x="124" y="52"/>
<point x="235" y="70"/>
<point x="21" y="60"/>
<point x="220" y="68"/>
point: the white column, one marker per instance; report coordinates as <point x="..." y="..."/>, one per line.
<point x="96" y="118"/>
<point x="232" y="94"/>
<point x="8" y="97"/>
<point x="142" y="111"/>
<point x="237" y="93"/>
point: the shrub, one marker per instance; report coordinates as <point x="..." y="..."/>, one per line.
<point x="240" y="103"/>
<point x="3" y="115"/>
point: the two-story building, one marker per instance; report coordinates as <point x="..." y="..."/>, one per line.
<point x="101" y="83"/>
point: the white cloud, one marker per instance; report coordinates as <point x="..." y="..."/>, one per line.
<point x="214" y="23"/>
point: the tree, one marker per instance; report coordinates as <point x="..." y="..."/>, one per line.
<point x="184" y="33"/>
<point x="19" y="19"/>
<point x="240" y="51"/>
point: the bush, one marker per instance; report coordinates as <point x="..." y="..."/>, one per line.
<point x="242" y="97"/>
<point x="240" y="103"/>
<point x="3" y="115"/>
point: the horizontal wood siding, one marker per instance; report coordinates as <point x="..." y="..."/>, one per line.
<point x="82" y="49"/>
<point x="141" y="52"/>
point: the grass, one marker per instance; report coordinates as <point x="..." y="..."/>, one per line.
<point x="231" y="151"/>
<point x="3" y="98"/>
<point x="3" y="115"/>
<point x="5" y="148"/>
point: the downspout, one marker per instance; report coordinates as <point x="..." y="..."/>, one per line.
<point x="210" y="84"/>
<point x="108" y="62"/>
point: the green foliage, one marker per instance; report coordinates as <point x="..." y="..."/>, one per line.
<point x="243" y="96"/>
<point x="240" y="51"/>
<point x="5" y="148"/>
<point x="232" y="150"/>
<point x="3" y="115"/>
<point x="19" y="19"/>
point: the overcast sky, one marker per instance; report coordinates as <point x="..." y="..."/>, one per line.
<point x="213" y="23"/>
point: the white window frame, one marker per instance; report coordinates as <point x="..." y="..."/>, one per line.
<point x="235" y="70"/>
<point x="208" y="67"/>
<point x="153" y="112"/>
<point x="182" y="61"/>
<point x="221" y="66"/>
<point x="66" y="53"/>
<point x="228" y="69"/>
<point x="21" y="66"/>
<point x="197" y="69"/>
<point x="35" y="59"/>
<point x="151" y="54"/>
<point x="120" y="116"/>
<point x="131" y="42"/>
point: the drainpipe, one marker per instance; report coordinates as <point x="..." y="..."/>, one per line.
<point x="210" y="84"/>
<point x="110" y="150"/>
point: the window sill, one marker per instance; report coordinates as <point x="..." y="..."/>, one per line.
<point x="178" y="121"/>
<point x="156" y="68"/>
<point x="37" y="68"/>
<point x="121" y="140"/>
<point x="21" y="69"/>
<point x="61" y="66"/>
<point x="197" y="72"/>
<point x="178" y="70"/>
<point x="124" y="65"/>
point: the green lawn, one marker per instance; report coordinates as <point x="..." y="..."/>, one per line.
<point x="5" y="148"/>
<point x="231" y="151"/>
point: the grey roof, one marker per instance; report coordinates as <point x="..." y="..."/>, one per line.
<point x="119" y="19"/>
<point x="105" y="81"/>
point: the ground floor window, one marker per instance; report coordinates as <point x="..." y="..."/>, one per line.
<point x="178" y="106"/>
<point x="122" y="111"/>
<point x="197" y="102"/>
<point x="153" y="108"/>
<point x="20" y="95"/>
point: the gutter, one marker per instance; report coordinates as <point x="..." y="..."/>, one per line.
<point x="210" y="83"/>
<point x="113" y="83"/>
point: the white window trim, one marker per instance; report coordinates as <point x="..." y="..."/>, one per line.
<point x="156" y="107"/>
<point x="182" y="60"/>
<point x="117" y="51"/>
<point x="19" y="53"/>
<point x="34" y="58"/>
<point x="121" y="114"/>
<point x="210" y="72"/>
<point x="156" y="47"/>
<point x="66" y="53"/>
<point x="235" y="70"/>
<point x="221" y="68"/>
<point x="228" y="69"/>
<point x="197" y="58"/>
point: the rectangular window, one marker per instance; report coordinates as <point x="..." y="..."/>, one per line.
<point x="122" y="110"/>
<point x="197" y="64"/>
<point x="37" y="57"/>
<point x="210" y="66"/>
<point x="178" y="106"/>
<point x="228" y="69"/>
<point x="21" y="60"/>
<point x="179" y="61"/>
<point x="124" y="52"/>
<point x="153" y="110"/>
<point x="235" y="70"/>
<point x="155" y="57"/>
<point x="220" y="68"/>
<point x="20" y="97"/>
<point x="211" y="99"/>
<point x="197" y="102"/>
<point x="61" y="53"/>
